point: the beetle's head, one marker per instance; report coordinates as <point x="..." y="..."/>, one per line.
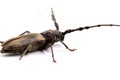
<point x="53" y="35"/>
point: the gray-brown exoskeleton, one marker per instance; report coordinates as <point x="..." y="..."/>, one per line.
<point x="31" y="42"/>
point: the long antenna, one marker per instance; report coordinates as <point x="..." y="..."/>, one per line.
<point x="87" y="27"/>
<point x="54" y="20"/>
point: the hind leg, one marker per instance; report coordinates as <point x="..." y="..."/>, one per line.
<point x="1" y="42"/>
<point x="24" y="33"/>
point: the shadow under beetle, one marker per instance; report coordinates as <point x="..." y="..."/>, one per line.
<point x="30" y="42"/>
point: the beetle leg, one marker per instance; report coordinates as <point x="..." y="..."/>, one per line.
<point x="25" y="51"/>
<point x="52" y="54"/>
<point x="54" y="20"/>
<point x="67" y="46"/>
<point x="24" y="33"/>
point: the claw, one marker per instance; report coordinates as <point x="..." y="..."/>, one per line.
<point x="54" y="61"/>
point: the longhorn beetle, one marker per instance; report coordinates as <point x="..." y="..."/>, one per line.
<point x="31" y="42"/>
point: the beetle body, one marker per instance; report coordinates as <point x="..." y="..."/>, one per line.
<point x="38" y="41"/>
<point x="30" y="42"/>
<point x="19" y="43"/>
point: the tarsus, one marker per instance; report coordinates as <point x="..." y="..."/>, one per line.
<point x="87" y="27"/>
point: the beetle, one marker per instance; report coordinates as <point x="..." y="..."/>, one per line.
<point x="30" y="42"/>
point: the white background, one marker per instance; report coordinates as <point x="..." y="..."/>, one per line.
<point x="98" y="50"/>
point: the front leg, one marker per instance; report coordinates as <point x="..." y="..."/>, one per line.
<point x="52" y="54"/>
<point x="67" y="46"/>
